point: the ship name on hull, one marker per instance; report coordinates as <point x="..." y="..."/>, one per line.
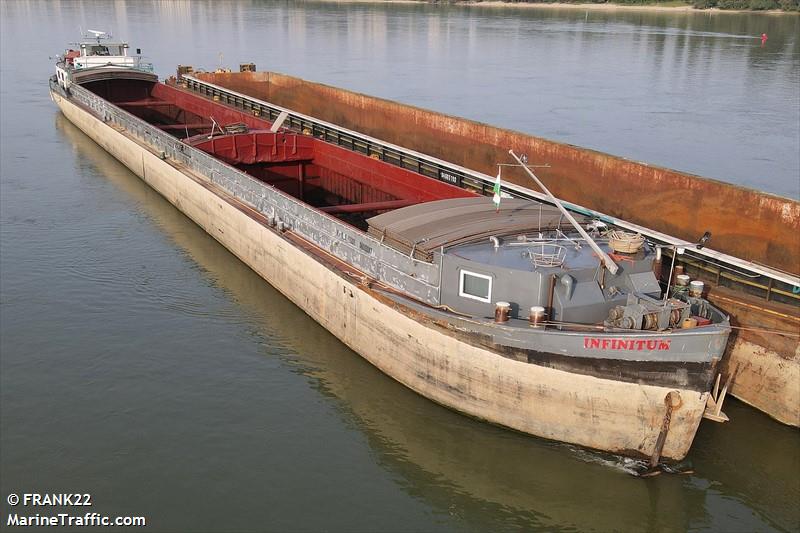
<point x="636" y="345"/>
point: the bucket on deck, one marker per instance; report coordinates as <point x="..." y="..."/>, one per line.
<point x="696" y="289"/>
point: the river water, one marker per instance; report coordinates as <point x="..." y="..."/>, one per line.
<point x="142" y="363"/>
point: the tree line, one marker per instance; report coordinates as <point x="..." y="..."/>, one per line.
<point x="755" y="5"/>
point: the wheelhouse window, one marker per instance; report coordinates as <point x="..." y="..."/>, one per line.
<point x="105" y="50"/>
<point x="475" y="286"/>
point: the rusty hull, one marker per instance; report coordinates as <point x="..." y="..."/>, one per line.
<point x="766" y="366"/>
<point x="745" y="223"/>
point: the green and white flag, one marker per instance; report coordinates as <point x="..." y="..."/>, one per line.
<point x="496" y="197"/>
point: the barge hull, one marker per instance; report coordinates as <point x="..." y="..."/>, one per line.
<point x="765" y="367"/>
<point x="597" y="413"/>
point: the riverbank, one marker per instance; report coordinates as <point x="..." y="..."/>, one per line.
<point x="670" y="7"/>
<point x="676" y="6"/>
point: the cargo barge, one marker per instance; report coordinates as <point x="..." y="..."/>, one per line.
<point x="517" y="312"/>
<point x="750" y="266"/>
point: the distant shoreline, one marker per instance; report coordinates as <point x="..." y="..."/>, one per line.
<point x="562" y="5"/>
<point x="619" y="7"/>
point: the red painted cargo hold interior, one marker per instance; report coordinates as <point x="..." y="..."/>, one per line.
<point x="343" y="183"/>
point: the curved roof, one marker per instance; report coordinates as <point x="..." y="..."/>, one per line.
<point x="424" y="228"/>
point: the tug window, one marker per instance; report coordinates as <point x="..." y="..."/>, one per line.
<point x="475" y="286"/>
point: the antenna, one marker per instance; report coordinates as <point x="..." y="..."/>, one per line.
<point x="97" y="34"/>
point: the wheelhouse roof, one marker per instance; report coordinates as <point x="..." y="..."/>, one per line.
<point x="90" y="41"/>
<point x="424" y="228"/>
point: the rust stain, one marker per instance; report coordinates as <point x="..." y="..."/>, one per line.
<point x="762" y="319"/>
<point x="745" y="223"/>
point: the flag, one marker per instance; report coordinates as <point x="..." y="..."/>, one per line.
<point x="496" y="197"/>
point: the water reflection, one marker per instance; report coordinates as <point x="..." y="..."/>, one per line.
<point x="691" y="91"/>
<point x="488" y="477"/>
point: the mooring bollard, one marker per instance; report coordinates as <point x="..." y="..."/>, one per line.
<point x="501" y="310"/>
<point x="537" y="316"/>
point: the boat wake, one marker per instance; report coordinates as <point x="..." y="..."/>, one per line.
<point x="629" y="465"/>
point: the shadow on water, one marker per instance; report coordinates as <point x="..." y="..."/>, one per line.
<point x="746" y="472"/>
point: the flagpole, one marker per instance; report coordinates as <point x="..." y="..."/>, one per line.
<point x="496" y="196"/>
<point x="604" y="258"/>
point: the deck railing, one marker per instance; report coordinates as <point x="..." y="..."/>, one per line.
<point x="417" y="278"/>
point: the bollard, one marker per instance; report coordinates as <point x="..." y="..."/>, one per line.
<point x="537" y="316"/>
<point x="501" y="310"/>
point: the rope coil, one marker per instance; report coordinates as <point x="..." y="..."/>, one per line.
<point x="625" y="242"/>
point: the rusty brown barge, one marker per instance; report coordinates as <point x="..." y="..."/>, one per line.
<point x="520" y="312"/>
<point x="751" y="265"/>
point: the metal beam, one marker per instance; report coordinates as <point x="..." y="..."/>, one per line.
<point x="279" y="121"/>
<point x="144" y="103"/>
<point x="195" y="126"/>
<point x="370" y="206"/>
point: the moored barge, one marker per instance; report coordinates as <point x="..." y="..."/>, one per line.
<point x="521" y="314"/>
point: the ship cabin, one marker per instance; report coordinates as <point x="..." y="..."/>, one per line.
<point x="524" y="262"/>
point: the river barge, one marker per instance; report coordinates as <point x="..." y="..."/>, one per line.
<point x="518" y="312"/>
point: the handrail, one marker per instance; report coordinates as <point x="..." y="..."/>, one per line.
<point x="366" y="253"/>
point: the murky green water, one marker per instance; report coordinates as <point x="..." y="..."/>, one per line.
<point x="142" y="363"/>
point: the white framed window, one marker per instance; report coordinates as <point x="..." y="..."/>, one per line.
<point x="475" y="286"/>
